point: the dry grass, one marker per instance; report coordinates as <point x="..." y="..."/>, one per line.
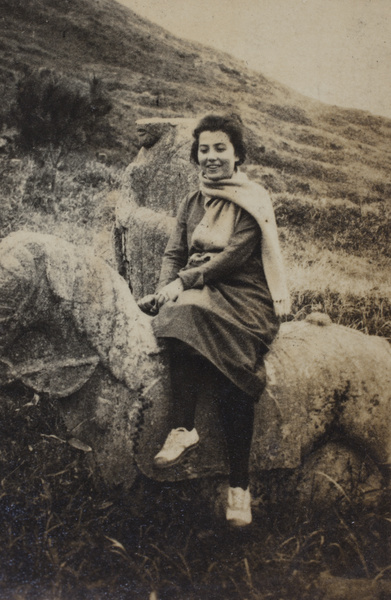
<point x="64" y="536"/>
<point x="80" y="209"/>
<point x="353" y="291"/>
<point x="307" y="146"/>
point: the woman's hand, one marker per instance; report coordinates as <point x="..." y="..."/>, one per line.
<point x="282" y="307"/>
<point x="170" y="291"/>
<point x="149" y="304"/>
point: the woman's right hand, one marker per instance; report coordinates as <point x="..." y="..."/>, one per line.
<point x="170" y="291"/>
<point x="149" y="304"/>
<point x="282" y="307"/>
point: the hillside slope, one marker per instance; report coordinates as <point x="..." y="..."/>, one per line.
<point x="310" y="148"/>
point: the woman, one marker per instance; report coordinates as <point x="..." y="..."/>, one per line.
<point x="221" y="292"/>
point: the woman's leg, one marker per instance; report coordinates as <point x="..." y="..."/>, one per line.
<point x="185" y="376"/>
<point x="237" y="418"/>
<point x="237" y="415"/>
<point x="185" y="368"/>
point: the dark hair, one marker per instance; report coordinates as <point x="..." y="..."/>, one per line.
<point x="229" y="124"/>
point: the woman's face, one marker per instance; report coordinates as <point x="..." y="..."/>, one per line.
<point x="216" y="155"/>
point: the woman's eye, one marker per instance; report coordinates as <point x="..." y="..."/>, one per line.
<point x="220" y="148"/>
<point x="203" y="150"/>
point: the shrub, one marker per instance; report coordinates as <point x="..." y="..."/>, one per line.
<point x="56" y="114"/>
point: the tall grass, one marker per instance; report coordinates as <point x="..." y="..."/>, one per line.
<point x="372" y="315"/>
<point x="64" y="536"/>
<point x="340" y="225"/>
<point x="79" y="207"/>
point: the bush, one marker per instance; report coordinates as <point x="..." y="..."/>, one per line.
<point x="57" y="114"/>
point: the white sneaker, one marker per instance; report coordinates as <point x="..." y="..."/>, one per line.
<point x="239" y="507"/>
<point x="178" y="443"/>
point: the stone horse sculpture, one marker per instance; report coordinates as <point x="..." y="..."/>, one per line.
<point x="71" y="329"/>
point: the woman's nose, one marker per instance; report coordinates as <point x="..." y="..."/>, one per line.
<point x="211" y="155"/>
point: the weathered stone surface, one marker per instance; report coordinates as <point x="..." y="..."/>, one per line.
<point x="105" y="414"/>
<point x="62" y="309"/>
<point x="160" y="176"/>
<point x="158" y="180"/>
<point x="325" y="377"/>
<point x="144" y="243"/>
<point x="58" y="378"/>
<point x="49" y="284"/>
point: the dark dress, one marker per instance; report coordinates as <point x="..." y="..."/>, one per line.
<point x="226" y="311"/>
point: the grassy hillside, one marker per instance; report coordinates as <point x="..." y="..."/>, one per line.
<point x="310" y="148"/>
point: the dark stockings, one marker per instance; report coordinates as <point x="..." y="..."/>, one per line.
<point x="192" y="375"/>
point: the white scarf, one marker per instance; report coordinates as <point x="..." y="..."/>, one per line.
<point x="253" y="198"/>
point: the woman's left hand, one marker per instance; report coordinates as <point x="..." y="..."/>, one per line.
<point x="170" y="291"/>
<point x="282" y="307"/>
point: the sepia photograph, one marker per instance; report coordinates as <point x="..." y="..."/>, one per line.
<point x="195" y="300"/>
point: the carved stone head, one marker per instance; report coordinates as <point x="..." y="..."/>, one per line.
<point x="149" y="132"/>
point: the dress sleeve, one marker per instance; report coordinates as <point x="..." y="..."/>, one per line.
<point x="176" y="253"/>
<point x="245" y="239"/>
